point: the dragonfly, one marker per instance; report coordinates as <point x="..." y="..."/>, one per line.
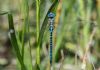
<point x="52" y="8"/>
<point x="51" y="28"/>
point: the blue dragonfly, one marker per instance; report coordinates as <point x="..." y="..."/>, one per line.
<point x="51" y="27"/>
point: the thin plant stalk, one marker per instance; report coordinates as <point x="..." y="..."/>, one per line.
<point x="25" y="15"/>
<point x="24" y="7"/>
<point x="38" y="30"/>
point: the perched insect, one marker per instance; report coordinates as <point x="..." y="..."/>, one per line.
<point x="51" y="21"/>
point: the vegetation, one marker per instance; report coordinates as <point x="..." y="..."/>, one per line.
<point x="76" y="36"/>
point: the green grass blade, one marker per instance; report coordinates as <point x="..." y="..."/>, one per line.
<point x="3" y="13"/>
<point x="25" y="30"/>
<point x="44" y="24"/>
<point x="25" y="15"/>
<point x="14" y="40"/>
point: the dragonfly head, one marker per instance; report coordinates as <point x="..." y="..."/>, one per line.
<point x="51" y="15"/>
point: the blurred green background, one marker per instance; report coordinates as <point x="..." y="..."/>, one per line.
<point x="76" y="37"/>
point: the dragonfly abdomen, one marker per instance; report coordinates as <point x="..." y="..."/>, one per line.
<point x="51" y="43"/>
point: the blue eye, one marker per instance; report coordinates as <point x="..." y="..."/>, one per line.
<point x="51" y="15"/>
